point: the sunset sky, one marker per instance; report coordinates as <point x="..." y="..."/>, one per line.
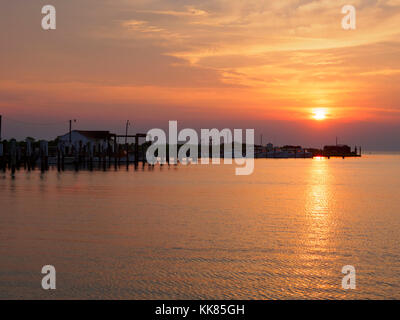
<point x="269" y="65"/>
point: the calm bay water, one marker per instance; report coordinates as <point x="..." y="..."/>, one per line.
<point x="200" y="232"/>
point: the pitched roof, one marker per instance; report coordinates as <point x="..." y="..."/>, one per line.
<point x="96" y="135"/>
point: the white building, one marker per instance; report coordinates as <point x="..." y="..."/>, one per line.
<point x="78" y="136"/>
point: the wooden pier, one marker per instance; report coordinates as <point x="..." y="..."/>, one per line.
<point x="104" y="155"/>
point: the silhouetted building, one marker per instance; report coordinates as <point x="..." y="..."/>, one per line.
<point x="291" y="148"/>
<point x="340" y="149"/>
<point x="83" y="136"/>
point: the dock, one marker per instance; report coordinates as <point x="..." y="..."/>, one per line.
<point x="42" y="154"/>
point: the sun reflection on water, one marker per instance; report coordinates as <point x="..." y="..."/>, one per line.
<point x="317" y="240"/>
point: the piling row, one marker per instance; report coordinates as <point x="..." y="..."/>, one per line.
<point x="14" y="155"/>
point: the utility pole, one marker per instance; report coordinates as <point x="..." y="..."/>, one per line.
<point x="126" y="131"/>
<point x="0" y="126"/>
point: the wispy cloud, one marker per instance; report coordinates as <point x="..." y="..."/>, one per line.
<point x="269" y="56"/>
<point x="188" y="11"/>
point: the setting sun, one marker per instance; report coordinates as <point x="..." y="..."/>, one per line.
<point x="319" y="114"/>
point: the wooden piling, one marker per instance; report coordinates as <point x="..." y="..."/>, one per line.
<point x="58" y="160"/>
<point x="81" y="153"/>
<point x="63" y="151"/>
<point x="35" y="156"/>
<point x="25" y="161"/>
<point x="136" y="151"/>
<point x="19" y="157"/>
<point x="13" y="156"/>
<point x="104" y="155"/>
<point x="127" y="155"/>
<point x="44" y="154"/>
<point x="115" y="154"/>
<point x="143" y="157"/>
<point x="98" y="154"/>
<point x="28" y="154"/>
<point x="59" y="147"/>
<point x="90" y="155"/>
<point x="76" y="156"/>
<point x="109" y="153"/>
<point x="2" y="157"/>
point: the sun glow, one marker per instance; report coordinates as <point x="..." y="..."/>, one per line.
<point x="319" y="114"/>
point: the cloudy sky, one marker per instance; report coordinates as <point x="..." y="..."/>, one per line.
<point x="267" y="65"/>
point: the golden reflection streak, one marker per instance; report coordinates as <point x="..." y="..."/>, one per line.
<point x="316" y="240"/>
